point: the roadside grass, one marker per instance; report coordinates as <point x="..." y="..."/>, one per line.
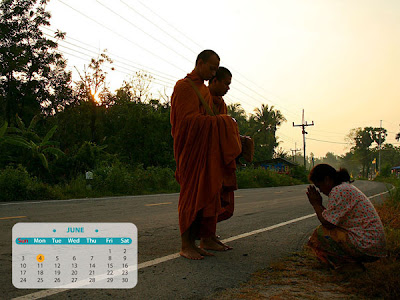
<point x="301" y="276"/>
<point x="117" y="179"/>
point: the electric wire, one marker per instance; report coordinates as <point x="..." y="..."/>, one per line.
<point x="160" y="28"/>
<point x="124" y="60"/>
<point x="236" y="72"/>
<point x="159" y="56"/>
<point x="176" y="29"/>
<point x="125" y="38"/>
<point x="167" y="81"/>
<point x="149" y="35"/>
<point x="261" y="102"/>
<point x="154" y="80"/>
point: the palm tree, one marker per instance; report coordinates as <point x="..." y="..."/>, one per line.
<point x="236" y="111"/>
<point x="265" y="122"/>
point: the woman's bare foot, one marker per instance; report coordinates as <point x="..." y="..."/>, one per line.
<point x="211" y="244"/>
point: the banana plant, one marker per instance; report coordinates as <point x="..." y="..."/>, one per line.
<point x="27" y="138"/>
<point x="12" y="139"/>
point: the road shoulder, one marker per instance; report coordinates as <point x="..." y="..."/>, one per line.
<point x="298" y="276"/>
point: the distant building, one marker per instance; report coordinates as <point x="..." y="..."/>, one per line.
<point x="396" y="170"/>
<point x="279" y="165"/>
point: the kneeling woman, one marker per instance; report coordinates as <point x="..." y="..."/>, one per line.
<point x="351" y="230"/>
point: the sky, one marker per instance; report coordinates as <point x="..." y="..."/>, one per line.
<point x="339" y="60"/>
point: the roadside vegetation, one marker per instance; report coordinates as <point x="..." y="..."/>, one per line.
<point x="117" y="179"/>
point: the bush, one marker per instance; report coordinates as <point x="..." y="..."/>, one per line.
<point x="300" y="173"/>
<point x="260" y="177"/>
<point x="113" y="179"/>
<point x="16" y="184"/>
<point x="117" y="179"/>
<point x="160" y="180"/>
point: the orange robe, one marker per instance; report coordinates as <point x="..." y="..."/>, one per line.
<point x="229" y="183"/>
<point x="204" y="148"/>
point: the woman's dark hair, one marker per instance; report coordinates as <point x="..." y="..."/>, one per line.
<point x="319" y="172"/>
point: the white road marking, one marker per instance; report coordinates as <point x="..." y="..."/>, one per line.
<point x="155" y="204"/>
<point x="45" y="293"/>
<point x="16" y="217"/>
<point x="86" y="199"/>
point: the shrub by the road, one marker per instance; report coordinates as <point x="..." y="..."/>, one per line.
<point x="259" y="177"/>
<point x="117" y="179"/>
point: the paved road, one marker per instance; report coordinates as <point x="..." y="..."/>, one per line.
<point x="157" y="221"/>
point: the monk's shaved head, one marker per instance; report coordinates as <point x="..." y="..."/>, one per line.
<point x="205" y="56"/>
<point x="222" y="73"/>
<point x="219" y="84"/>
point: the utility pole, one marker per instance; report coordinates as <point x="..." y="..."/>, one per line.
<point x="303" y="125"/>
<point x="379" y="159"/>
<point x="294" y="151"/>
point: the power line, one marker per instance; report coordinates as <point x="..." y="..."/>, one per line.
<point x="246" y="86"/>
<point x="154" y="53"/>
<point x="113" y="31"/>
<point x="118" y="65"/>
<point x="149" y="35"/>
<point x="262" y="96"/>
<point x="154" y="80"/>
<point x="328" y="141"/>
<point x="121" y="35"/>
<point x="201" y="47"/>
<point x="168" y="82"/>
<point x="124" y="60"/>
<point x="150" y="21"/>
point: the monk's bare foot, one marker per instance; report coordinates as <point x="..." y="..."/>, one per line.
<point x="204" y="252"/>
<point x="191" y="253"/>
<point x="211" y="244"/>
<point x="216" y="239"/>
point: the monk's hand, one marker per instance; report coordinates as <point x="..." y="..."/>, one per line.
<point x="314" y="196"/>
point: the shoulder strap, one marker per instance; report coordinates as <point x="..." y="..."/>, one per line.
<point x="203" y="102"/>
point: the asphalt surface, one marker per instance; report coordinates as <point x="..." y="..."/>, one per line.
<point x="156" y="218"/>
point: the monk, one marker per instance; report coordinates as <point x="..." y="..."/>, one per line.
<point x="219" y="86"/>
<point x="205" y="147"/>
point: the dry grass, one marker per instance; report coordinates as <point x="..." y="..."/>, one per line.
<point x="301" y="276"/>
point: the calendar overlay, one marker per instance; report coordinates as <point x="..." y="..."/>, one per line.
<point x="74" y="255"/>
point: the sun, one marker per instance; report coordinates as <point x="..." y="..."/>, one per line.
<point x="96" y="96"/>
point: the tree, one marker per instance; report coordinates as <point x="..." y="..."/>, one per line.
<point x="331" y="159"/>
<point x="92" y="89"/>
<point x="264" y="124"/>
<point x="362" y="140"/>
<point x="33" y="78"/>
<point x="352" y="164"/>
<point x="281" y="153"/>
<point x="236" y="111"/>
<point x="137" y="88"/>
